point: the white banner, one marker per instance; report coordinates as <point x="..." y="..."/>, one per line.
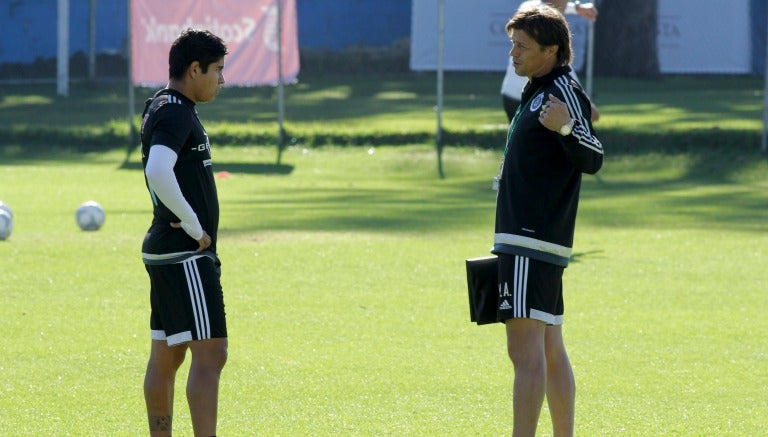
<point x="704" y="36"/>
<point x="475" y="39"/>
<point x="694" y="36"/>
<point x="248" y="28"/>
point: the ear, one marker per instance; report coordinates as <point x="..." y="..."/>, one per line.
<point x="194" y="69"/>
<point x="552" y="50"/>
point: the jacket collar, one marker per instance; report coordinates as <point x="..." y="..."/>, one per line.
<point x="176" y="93"/>
<point x="538" y="83"/>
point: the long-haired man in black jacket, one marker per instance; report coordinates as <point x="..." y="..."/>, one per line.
<point x="550" y="144"/>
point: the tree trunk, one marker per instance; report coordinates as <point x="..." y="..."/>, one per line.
<point x="625" y="39"/>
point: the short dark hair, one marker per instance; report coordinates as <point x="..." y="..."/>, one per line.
<point x="547" y="26"/>
<point x="194" y="45"/>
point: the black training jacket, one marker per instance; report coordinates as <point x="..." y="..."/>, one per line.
<point x="540" y="176"/>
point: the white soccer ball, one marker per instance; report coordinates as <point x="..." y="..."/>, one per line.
<point x="6" y="224"/>
<point x="4" y="207"/>
<point x="90" y="216"/>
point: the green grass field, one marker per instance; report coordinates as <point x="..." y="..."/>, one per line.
<point x="345" y="287"/>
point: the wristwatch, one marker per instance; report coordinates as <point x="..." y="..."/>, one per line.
<point x="567" y="128"/>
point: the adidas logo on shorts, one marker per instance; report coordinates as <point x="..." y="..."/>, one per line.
<point x="505" y="305"/>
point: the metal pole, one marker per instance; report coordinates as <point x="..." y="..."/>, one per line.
<point x="764" y="146"/>
<point x="280" y="87"/>
<point x="590" y="56"/>
<point x="92" y="48"/>
<point x="62" y="58"/>
<point x="440" y="50"/>
<point x="131" y="96"/>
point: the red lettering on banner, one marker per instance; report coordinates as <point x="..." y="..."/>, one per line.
<point x="248" y="28"/>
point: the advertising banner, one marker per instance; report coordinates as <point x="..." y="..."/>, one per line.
<point x="693" y="39"/>
<point x="693" y="36"/>
<point x="248" y="28"/>
<point x="475" y="39"/>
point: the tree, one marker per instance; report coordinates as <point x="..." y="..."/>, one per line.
<point x="625" y="39"/>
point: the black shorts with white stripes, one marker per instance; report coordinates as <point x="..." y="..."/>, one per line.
<point x="187" y="301"/>
<point x="529" y="288"/>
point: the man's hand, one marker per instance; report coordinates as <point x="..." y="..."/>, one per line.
<point x="554" y="114"/>
<point x="587" y="10"/>
<point x="204" y="241"/>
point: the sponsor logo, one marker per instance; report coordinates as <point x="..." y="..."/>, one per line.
<point x="158" y="32"/>
<point x="202" y="147"/>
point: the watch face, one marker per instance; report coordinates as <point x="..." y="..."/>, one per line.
<point x="567" y="127"/>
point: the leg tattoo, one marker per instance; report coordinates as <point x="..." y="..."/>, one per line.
<point x="159" y="423"/>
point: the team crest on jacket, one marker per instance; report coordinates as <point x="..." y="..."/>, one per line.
<point x="536" y="103"/>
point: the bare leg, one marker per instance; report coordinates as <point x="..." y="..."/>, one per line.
<point x="208" y="359"/>
<point x="561" y="386"/>
<point x="159" y="380"/>
<point x="525" y="345"/>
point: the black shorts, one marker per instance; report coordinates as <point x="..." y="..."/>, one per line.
<point x="530" y="289"/>
<point x="187" y="301"/>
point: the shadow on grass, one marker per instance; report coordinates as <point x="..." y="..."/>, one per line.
<point x="707" y="194"/>
<point x="713" y="153"/>
<point x="675" y="206"/>
<point x="341" y="209"/>
<point x="257" y="168"/>
<point x="577" y="257"/>
<point x="703" y="192"/>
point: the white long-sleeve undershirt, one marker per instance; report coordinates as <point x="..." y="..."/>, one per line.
<point x="162" y="181"/>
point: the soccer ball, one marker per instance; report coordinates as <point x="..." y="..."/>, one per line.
<point x="4" y="207"/>
<point x="6" y="224"/>
<point x="90" y="216"/>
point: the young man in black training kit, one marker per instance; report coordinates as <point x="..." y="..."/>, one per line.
<point x="550" y="144"/>
<point x="179" y="250"/>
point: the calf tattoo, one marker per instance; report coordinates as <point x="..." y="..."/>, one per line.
<point x="159" y="423"/>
